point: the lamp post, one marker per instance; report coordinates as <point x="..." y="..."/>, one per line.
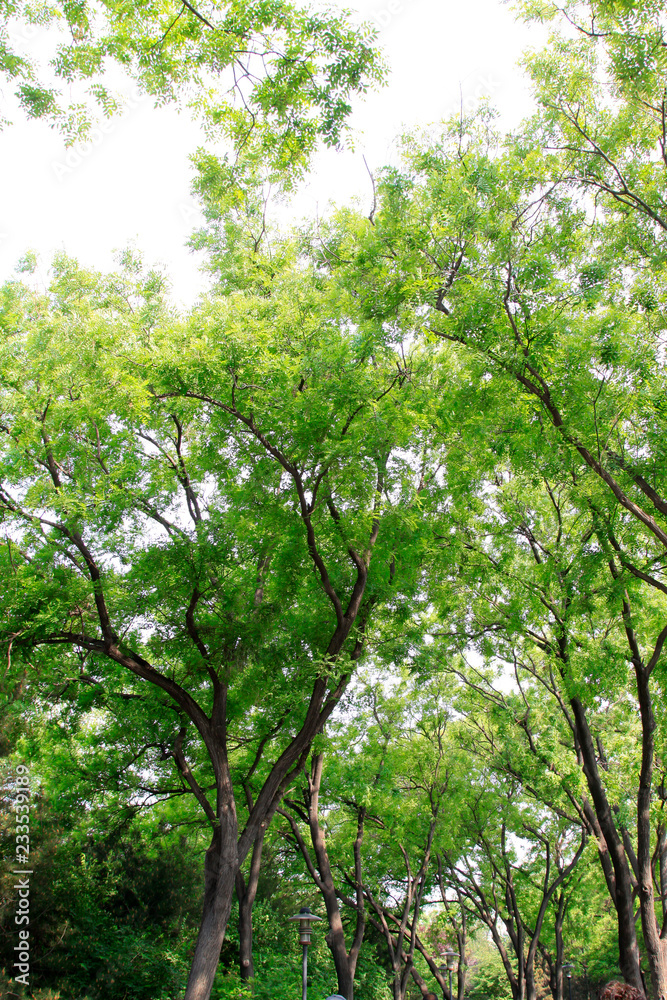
<point x="452" y="961"/>
<point x="305" y="918"/>
<point x="569" y="967"/>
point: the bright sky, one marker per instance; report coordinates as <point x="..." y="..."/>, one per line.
<point x="133" y="183"/>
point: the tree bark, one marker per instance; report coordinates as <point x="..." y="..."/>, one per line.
<point x="628" y="949"/>
<point x="220" y="870"/>
<point x="246" y="963"/>
<point x="246" y="893"/>
<point x="345" y="961"/>
<point x="656" y="945"/>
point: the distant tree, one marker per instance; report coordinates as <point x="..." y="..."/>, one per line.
<point x="365" y="822"/>
<point x="509" y="893"/>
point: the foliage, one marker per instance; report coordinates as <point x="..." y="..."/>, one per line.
<point x="275" y="77"/>
<point x="266" y="436"/>
<point x="434" y="437"/>
<point x="110" y="901"/>
<point x="487" y="978"/>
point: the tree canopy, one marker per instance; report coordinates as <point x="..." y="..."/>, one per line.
<point x="274" y="77"/>
<point x="428" y="442"/>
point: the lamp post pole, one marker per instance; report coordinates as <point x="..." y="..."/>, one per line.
<point x="569" y="966"/>
<point x="304" y="973"/>
<point x="305" y="918"/>
<point x="452" y="960"/>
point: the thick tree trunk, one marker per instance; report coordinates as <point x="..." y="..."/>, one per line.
<point x="345" y="968"/>
<point x="228" y="850"/>
<point x="344" y="975"/>
<point x="656" y="945"/>
<point x="627" y="937"/>
<point x="220" y="871"/>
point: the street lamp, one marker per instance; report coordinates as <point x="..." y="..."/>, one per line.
<point x="569" y="967"/>
<point x="452" y="960"/>
<point x="305" y="918"/>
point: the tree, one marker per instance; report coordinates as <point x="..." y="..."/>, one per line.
<point x="308" y="810"/>
<point x="372" y="815"/>
<point x="264" y="439"/>
<point x="486" y="249"/>
<point x="540" y="602"/>
<point x="424" y="779"/>
<point x="515" y="865"/>
<point x="603" y="113"/>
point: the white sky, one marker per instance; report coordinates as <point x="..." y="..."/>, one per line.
<point x="133" y="185"/>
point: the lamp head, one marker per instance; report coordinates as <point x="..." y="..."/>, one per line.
<point x="451" y="959"/>
<point x="305" y="918"/>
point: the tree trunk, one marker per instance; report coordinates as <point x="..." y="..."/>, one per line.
<point x="557" y="975"/>
<point x="656" y="946"/>
<point x="345" y="978"/>
<point x="335" y="940"/>
<point x="246" y="893"/>
<point x="400" y="981"/>
<point x="554" y="963"/>
<point x="220" y="870"/>
<point x="345" y="962"/>
<point x="246" y="965"/>
<point x="628" y="950"/>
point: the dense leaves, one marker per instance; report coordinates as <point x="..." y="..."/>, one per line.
<point x="433" y="439"/>
<point x="272" y="77"/>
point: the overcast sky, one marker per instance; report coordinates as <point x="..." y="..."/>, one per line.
<point x="133" y="183"/>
